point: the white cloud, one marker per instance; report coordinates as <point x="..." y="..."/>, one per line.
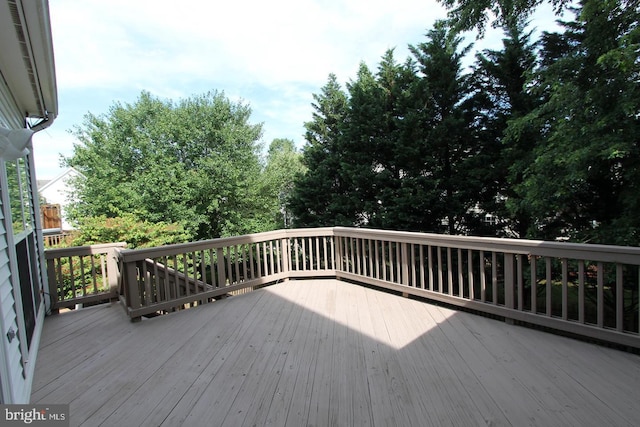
<point x="273" y="55"/>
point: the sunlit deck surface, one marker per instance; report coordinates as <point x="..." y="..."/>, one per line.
<point x="325" y="352"/>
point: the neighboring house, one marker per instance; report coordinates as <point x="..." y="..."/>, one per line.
<point x="58" y="192"/>
<point x="28" y="103"/>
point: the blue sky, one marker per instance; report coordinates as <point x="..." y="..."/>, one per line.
<point x="272" y="55"/>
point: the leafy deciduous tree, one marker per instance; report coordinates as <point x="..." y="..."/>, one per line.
<point x="194" y="162"/>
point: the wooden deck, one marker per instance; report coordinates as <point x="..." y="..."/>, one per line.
<point x="321" y="353"/>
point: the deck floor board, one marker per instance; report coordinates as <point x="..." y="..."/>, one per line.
<point x="325" y="352"/>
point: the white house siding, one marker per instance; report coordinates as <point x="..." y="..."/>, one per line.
<point x="10" y="115"/>
<point x="10" y="353"/>
<point x="27" y="89"/>
<point x="15" y="387"/>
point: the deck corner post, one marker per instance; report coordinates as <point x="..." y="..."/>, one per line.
<point x="112" y="271"/>
<point x="131" y="284"/>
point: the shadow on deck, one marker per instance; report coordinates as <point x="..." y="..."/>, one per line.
<point x="326" y="352"/>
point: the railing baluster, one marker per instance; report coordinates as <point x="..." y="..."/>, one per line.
<point x="399" y="267"/>
<point x="103" y="270"/>
<point x="252" y="269"/>
<point x="422" y="276"/>
<point x="358" y="256"/>
<point x="144" y="277"/>
<point x="470" y="273"/>
<point x="93" y="273"/>
<point x="370" y="257"/>
<point x="449" y="272"/>
<point x="600" y="295"/>
<point x="440" y="278"/>
<point x="565" y="289"/>
<point x="376" y="250"/>
<point x="236" y="254"/>
<point x="72" y="278"/>
<point x="284" y="256"/>
<point x="483" y="278"/>
<point x="317" y="242"/>
<point x="581" y="291"/>
<point x="272" y="265"/>
<point x="509" y="284"/>
<point x="534" y="285"/>
<point x="520" y="283"/>
<point x="413" y="265"/>
<point x="363" y="260"/>
<point x="548" y="286"/>
<point x="494" y="278"/>
<point x="460" y="275"/>
<point x="390" y="257"/>
<point x="404" y="256"/>
<point x="619" y="298"/>
<point x="159" y="290"/>
<point x="296" y="250"/>
<point x="83" y="280"/>
<point x="230" y="276"/>
<point x="165" y="279"/>
<point x="176" y="280"/>
<point x="430" y="262"/>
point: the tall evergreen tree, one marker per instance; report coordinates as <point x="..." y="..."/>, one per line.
<point x="364" y="135"/>
<point x="321" y="195"/>
<point x="449" y="127"/>
<point x="501" y="78"/>
<point x="404" y="190"/>
<point x="467" y="15"/>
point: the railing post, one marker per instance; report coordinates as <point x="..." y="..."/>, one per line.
<point x="132" y="287"/>
<point x="337" y="249"/>
<point x="222" y="281"/>
<point x="509" y="283"/>
<point x="112" y="272"/>
<point x="53" y="285"/>
<point x="405" y="267"/>
<point x="285" y="257"/>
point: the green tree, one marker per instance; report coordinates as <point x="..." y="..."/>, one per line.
<point x="502" y="78"/>
<point x="284" y="163"/>
<point x="127" y="228"/>
<point x="194" y="162"/>
<point x="367" y="134"/>
<point x="449" y="127"/>
<point x="467" y="15"/>
<point x="583" y="184"/>
<point x="321" y="194"/>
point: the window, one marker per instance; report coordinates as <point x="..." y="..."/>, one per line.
<point x="20" y="196"/>
<point x="22" y="212"/>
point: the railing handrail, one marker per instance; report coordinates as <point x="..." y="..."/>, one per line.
<point x="83" y="273"/>
<point x="586" y="251"/>
<point x="52" y="253"/>
<point x="130" y="255"/>
<point x="593" y="252"/>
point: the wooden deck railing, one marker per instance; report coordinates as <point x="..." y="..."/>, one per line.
<point x="166" y="278"/>
<point x="82" y="275"/>
<point x="589" y="290"/>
